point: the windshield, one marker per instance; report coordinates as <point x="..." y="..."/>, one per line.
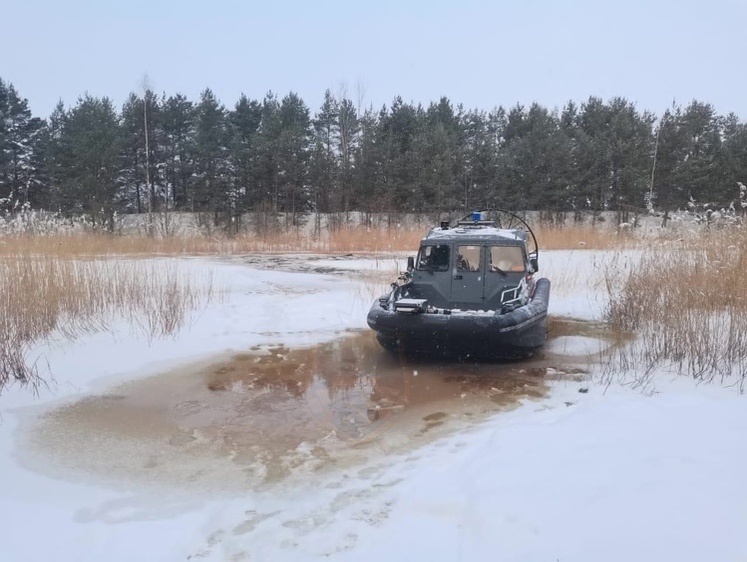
<point x="433" y="258"/>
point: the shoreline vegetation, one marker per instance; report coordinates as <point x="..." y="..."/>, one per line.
<point x="54" y="291"/>
<point x="680" y="291"/>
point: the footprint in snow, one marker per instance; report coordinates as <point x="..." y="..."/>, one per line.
<point x="389" y="484"/>
<point x="215" y="538"/>
<point x="348" y="542"/>
<point x="307" y="524"/>
<point x="372" y="471"/>
<point x="351" y="497"/>
<point x="254" y="520"/>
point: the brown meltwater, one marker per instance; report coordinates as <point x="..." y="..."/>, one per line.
<point x="256" y="418"/>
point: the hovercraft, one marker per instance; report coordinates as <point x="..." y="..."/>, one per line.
<point x="472" y="292"/>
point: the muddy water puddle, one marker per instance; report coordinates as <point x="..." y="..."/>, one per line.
<point x="257" y="418"/>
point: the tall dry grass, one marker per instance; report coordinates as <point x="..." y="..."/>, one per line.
<point x="584" y="238"/>
<point x="346" y="240"/>
<point x="343" y="240"/>
<point x="45" y="294"/>
<point x="687" y="305"/>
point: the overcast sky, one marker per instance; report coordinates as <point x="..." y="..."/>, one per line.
<point x="478" y="53"/>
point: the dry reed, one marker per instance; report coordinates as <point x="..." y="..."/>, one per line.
<point x="585" y="238"/>
<point x="346" y="240"/>
<point x="40" y="295"/>
<point x="341" y="240"/>
<point x="687" y="304"/>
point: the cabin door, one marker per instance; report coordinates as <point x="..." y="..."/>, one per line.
<point x="468" y="277"/>
<point x="505" y="267"/>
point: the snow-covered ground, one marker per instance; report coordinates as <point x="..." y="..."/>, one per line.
<point x="590" y="472"/>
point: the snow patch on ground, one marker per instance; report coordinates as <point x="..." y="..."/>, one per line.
<point x="613" y="476"/>
<point x="591" y="473"/>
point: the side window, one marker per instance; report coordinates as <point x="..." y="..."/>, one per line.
<point x="468" y="258"/>
<point x="434" y="258"/>
<point x="506" y="259"/>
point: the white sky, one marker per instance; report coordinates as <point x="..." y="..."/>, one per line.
<point x="479" y="53"/>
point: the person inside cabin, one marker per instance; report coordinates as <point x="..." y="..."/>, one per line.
<point x="434" y="258"/>
<point x="504" y="259"/>
<point x="469" y="258"/>
<point x="462" y="263"/>
<point x="440" y="257"/>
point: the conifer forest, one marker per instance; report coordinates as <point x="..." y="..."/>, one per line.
<point x="162" y="152"/>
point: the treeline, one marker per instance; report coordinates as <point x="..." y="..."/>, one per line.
<point x="162" y="153"/>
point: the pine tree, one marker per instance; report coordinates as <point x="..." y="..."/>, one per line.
<point x="19" y="135"/>
<point x="481" y="149"/>
<point x="244" y="122"/>
<point x="630" y="146"/>
<point x="689" y="150"/>
<point x="732" y="162"/>
<point x="268" y="137"/>
<point x="348" y="127"/>
<point x="88" y="155"/>
<point x="671" y="148"/>
<point x="293" y="147"/>
<point x="398" y="128"/>
<point x="534" y="161"/>
<point x="367" y="163"/>
<point x="697" y="172"/>
<point x="155" y="152"/>
<point x="143" y="187"/>
<point x="134" y="190"/>
<point x="178" y="149"/>
<point x="325" y="161"/>
<point x="438" y="149"/>
<point x="210" y="180"/>
<point x="56" y="158"/>
<point x="594" y="166"/>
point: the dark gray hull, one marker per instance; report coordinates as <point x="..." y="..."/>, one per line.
<point x="512" y="335"/>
